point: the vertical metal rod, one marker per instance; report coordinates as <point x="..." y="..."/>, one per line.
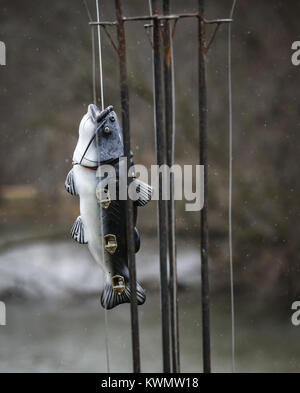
<point x="204" y="222"/>
<point x="162" y="211"/>
<point x="230" y="187"/>
<point x="170" y="137"/>
<point x="129" y="204"/>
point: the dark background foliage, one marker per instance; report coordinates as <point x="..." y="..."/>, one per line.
<point x="46" y="87"/>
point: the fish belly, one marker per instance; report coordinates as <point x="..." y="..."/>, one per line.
<point x="86" y="183"/>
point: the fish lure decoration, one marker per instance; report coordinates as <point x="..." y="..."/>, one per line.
<point x="100" y="144"/>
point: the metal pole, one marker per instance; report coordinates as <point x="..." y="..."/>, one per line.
<point x="129" y="204"/>
<point x="162" y="211"/>
<point x="204" y="223"/>
<point x="170" y="135"/>
<point x="163" y="17"/>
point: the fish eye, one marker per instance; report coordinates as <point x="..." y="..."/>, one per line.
<point x="112" y="119"/>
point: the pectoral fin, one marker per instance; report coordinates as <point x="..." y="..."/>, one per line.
<point x="145" y="192"/>
<point x="70" y="183"/>
<point x="77" y="232"/>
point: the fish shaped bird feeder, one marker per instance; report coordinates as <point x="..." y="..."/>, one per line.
<point x="102" y="221"/>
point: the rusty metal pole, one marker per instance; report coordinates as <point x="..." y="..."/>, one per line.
<point x="162" y="211"/>
<point x="204" y="222"/>
<point x="129" y="204"/>
<point x="170" y="137"/>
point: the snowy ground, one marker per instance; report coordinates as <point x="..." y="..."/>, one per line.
<point x="63" y="269"/>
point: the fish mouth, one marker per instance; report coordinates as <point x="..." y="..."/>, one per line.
<point x="100" y="118"/>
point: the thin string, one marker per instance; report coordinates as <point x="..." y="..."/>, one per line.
<point x="150" y="7"/>
<point x="100" y="55"/>
<point x="230" y="188"/>
<point x="106" y="333"/>
<point x="87" y="10"/>
<point x="102" y="103"/>
<point x="153" y="77"/>
<point x="101" y="218"/>
<point x="93" y="51"/>
<point x="173" y="98"/>
<point x="94" y="66"/>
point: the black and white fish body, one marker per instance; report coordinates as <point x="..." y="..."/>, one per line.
<point x="102" y="221"/>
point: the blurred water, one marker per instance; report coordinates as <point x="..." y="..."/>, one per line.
<point x="55" y="322"/>
<point x="64" y="269"/>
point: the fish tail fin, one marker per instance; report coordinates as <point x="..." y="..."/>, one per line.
<point x="111" y="298"/>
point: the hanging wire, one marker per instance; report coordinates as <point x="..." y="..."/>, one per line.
<point x="100" y="55"/>
<point x="93" y="52"/>
<point x="94" y="66"/>
<point x="153" y="77"/>
<point x="102" y="102"/>
<point x="99" y="163"/>
<point x="106" y="334"/>
<point x="230" y="187"/>
<point x="87" y="10"/>
<point x="150" y="7"/>
<point x="174" y="98"/>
